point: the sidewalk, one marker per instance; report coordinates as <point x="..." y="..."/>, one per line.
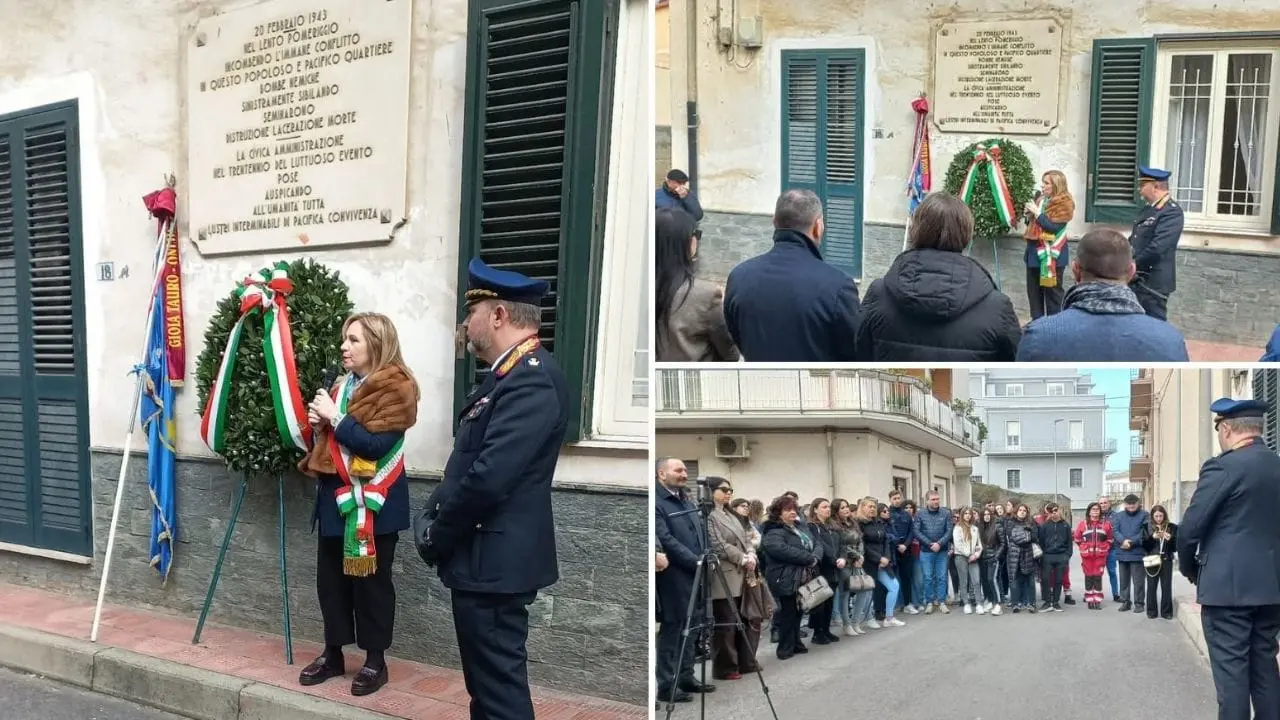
<point x="1188" y="613"/>
<point x="233" y="674"/>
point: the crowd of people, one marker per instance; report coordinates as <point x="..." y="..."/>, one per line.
<point x="882" y="562"/>
<point x="934" y="303"/>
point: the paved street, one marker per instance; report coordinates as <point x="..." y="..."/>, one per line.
<point x="1052" y="666"/>
<point x="25" y="697"/>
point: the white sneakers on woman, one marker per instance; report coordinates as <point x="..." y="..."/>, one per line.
<point x="893" y="622"/>
<point x="995" y="609"/>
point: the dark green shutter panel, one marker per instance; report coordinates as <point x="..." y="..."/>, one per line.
<point x="822" y="119"/>
<point x="1275" y="195"/>
<point x="1119" y="127"/>
<point x="43" y="403"/>
<point x="530" y="182"/>
<point x="1266" y="387"/>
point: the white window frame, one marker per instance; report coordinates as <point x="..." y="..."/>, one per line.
<point x="1208" y="221"/>
<point x="625" y="274"/>
<point x="1009" y="476"/>
<point x="1061" y="388"/>
<point x="1073" y="442"/>
<point x="1072" y="483"/>
<point x="1008" y="390"/>
<point x="1018" y="435"/>
<point x="975" y="479"/>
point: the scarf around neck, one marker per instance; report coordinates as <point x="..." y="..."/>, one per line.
<point x="1102" y="298"/>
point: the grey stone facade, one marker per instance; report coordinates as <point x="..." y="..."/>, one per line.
<point x="1222" y="297"/>
<point x="588" y="633"/>
<point x="662" y="154"/>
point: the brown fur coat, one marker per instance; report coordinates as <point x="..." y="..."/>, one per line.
<point x="386" y="401"/>
<point x="1061" y="209"/>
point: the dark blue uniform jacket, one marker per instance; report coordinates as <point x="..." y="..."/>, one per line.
<point x="494" y="531"/>
<point x="1154" y="240"/>
<point x="788" y="305"/>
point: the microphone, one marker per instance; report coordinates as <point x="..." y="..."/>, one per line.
<point x="330" y="375"/>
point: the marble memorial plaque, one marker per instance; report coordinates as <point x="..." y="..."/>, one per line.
<point x="297" y="125"/>
<point x="997" y="77"/>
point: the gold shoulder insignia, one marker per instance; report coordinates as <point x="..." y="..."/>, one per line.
<point x="518" y="354"/>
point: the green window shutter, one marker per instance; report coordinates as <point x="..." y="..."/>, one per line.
<point x="1266" y="387"/>
<point x="537" y="79"/>
<point x="43" y="396"/>
<point x="1119" y="127"/>
<point x="822" y="143"/>
<point x="1275" y="195"/>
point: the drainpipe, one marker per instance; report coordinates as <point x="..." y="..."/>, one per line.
<point x="831" y="460"/>
<point x="691" y="106"/>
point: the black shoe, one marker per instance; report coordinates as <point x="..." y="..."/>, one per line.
<point x="320" y="670"/>
<point x="1069" y="600"/>
<point x="801" y="649"/>
<point x="1045" y="607"/>
<point x="804" y="633"/>
<point x="1139" y="608"/>
<point x="1057" y="607"/>
<point x="693" y="686"/>
<point x="773" y="636"/>
<point x="786" y="656"/>
<point x="368" y="680"/>
<point x="1125" y="607"/>
<point x="1151" y="616"/>
<point x="821" y="640"/>
<point x="679" y="696"/>
<point x="1016" y="610"/>
<point x="1115" y="598"/>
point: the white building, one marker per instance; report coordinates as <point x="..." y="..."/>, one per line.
<point x="821" y="433"/>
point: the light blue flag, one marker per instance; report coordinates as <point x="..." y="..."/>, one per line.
<point x="157" y="416"/>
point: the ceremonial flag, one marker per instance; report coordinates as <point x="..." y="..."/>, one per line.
<point x="920" y="180"/>
<point x="157" y="418"/>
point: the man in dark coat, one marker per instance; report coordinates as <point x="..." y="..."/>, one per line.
<point x="675" y="193"/>
<point x="1102" y="306"/>
<point x="1155" y="242"/>
<point x="1229" y="546"/>
<point x="489" y="526"/>
<point x="788" y="305"/>
<point x="678" y="527"/>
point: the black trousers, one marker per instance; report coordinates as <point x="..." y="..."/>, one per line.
<point x="954" y="573"/>
<point x="1164" y="581"/>
<point x="906" y="566"/>
<point x="1043" y="300"/>
<point x="1242" y="653"/>
<point x="492" y="630"/>
<point x="820" y="618"/>
<point x="360" y="610"/>
<point x="1054" y="567"/>
<point x="1156" y="306"/>
<point x="788" y="627"/>
<point x="672" y="667"/>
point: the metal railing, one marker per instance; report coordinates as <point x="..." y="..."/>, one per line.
<point x="1086" y="445"/>
<point x="1139" y="449"/>
<point x="807" y="392"/>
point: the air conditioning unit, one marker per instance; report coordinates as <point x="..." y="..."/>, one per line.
<point x="729" y="447"/>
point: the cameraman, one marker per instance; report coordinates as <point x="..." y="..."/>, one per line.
<point x="679" y="530"/>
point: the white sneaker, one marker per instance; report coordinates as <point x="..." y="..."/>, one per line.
<point x="893" y="622"/>
<point x="859" y="629"/>
<point x="987" y="605"/>
<point x="873" y="625"/>
<point x="968" y="609"/>
<point x="945" y="610"/>
<point x="928" y="609"/>
<point x="851" y="631"/>
<point x="911" y="610"/>
<point x="982" y="610"/>
<point x="995" y="610"/>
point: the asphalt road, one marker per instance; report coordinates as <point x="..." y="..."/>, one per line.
<point x="25" y="697"/>
<point x="1079" y="664"/>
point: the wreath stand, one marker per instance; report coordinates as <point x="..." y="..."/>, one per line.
<point x="222" y="555"/>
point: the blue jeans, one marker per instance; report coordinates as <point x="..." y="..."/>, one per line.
<point x="935" y="576"/>
<point x="917" y="583"/>
<point x="1111" y="572"/>
<point x="862" y="608"/>
<point x="890" y="583"/>
<point x="841" y="601"/>
<point x="1024" y="590"/>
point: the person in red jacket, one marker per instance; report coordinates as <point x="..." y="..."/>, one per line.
<point x="1094" y="537"/>
<point x="1066" y="572"/>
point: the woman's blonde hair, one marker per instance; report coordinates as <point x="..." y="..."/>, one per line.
<point x="1057" y="181"/>
<point x="383" y="341"/>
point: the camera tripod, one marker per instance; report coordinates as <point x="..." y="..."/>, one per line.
<point x="703" y="624"/>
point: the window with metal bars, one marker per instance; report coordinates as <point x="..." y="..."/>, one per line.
<point x="45" y="497"/>
<point x="534" y="155"/>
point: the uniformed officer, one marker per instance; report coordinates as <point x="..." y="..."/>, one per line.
<point x="1229" y="546"/>
<point x="1155" y="242"/>
<point x="489" y="526"/>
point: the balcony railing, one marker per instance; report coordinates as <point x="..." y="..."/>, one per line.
<point x="1086" y="445"/>
<point x="807" y="392"/>
<point x="1138" y="449"/>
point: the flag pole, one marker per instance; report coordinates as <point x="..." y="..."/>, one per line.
<point x="128" y="438"/>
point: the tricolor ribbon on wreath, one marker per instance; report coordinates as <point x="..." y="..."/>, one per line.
<point x="362" y="493"/>
<point x="266" y="293"/>
<point x="986" y="159"/>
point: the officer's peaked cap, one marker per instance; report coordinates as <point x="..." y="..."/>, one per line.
<point x="489" y="283"/>
<point x="1152" y="173"/>
<point x="1227" y="408"/>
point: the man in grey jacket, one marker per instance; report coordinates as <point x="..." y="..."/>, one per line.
<point x="932" y="527"/>
<point x="1128" y="525"/>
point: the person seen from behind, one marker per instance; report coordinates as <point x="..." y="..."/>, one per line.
<point x="789" y="305"/>
<point x="936" y="304"/>
<point x="1102" y="306"/>
<point x="688" y="310"/>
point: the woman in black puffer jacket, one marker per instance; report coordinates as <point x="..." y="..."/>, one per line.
<point x="935" y="304"/>
<point x="790" y="560"/>
<point x="878" y="558"/>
